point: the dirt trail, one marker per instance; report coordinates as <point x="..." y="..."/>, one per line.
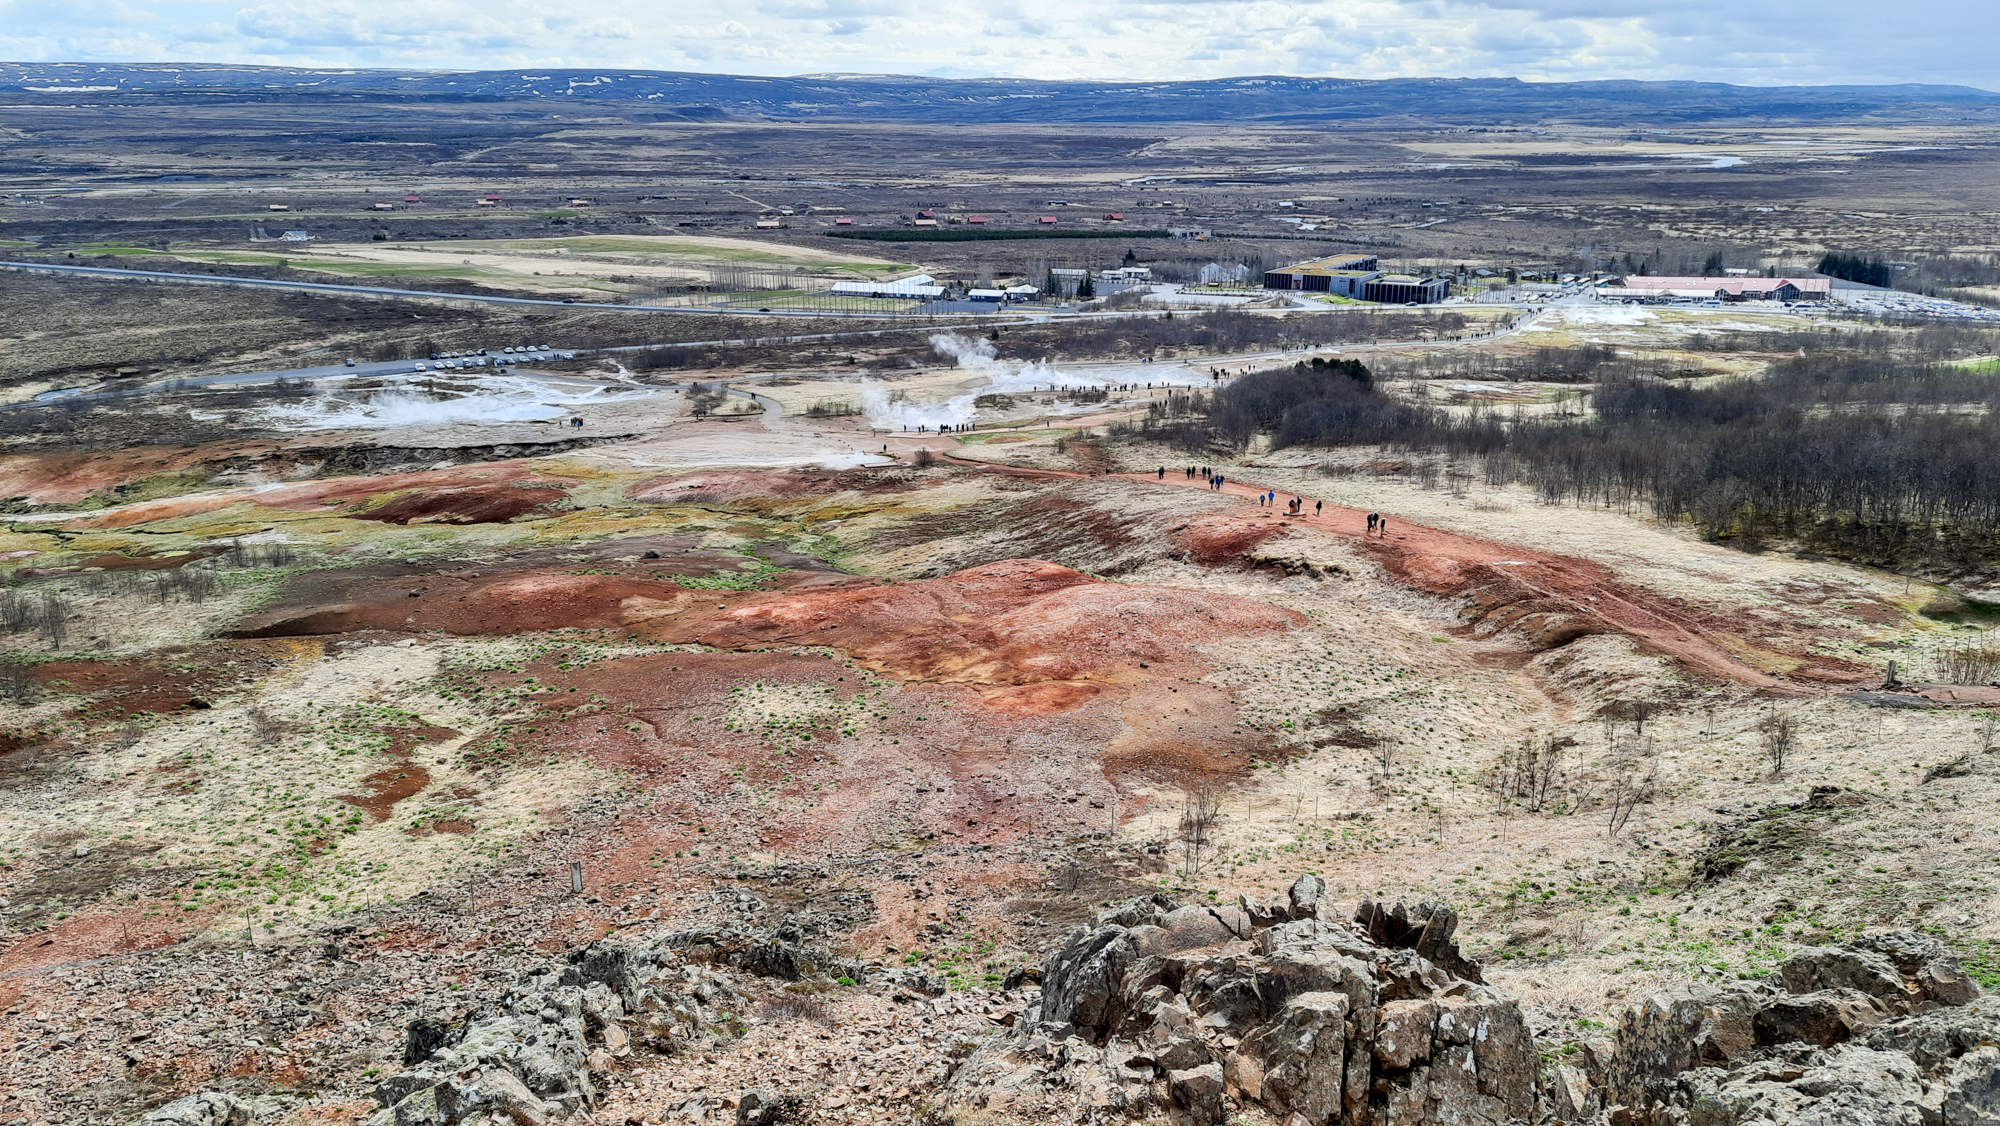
<point x="1555" y="586"/>
<point x="1447" y="563"/>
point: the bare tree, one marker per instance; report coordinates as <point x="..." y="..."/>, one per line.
<point x="1532" y="773"/>
<point x="1779" y="732"/>
<point x="1632" y="779"/>
<point x="1639" y="711"/>
<point x="55" y="619"/>
<point x="1385" y="752"/>
<point x="1968" y="664"/>
<point x="1201" y="807"/>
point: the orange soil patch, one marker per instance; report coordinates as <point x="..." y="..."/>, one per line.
<point x="311" y="496"/>
<point x="721" y="486"/>
<point x="151" y="511"/>
<point x="66" y="478"/>
<point x="114" y="562"/>
<point x="1215" y="540"/>
<point x="95" y="932"/>
<point x="387" y="787"/>
<point x="474" y="603"/>
<point x="935" y="765"/>
<point x="1551" y="599"/>
<point x="392" y="784"/>
<point x="308" y="496"/>
<point x="491" y="503"/>
<point x="1003" y="625"/>
<point x="160" y="686"/>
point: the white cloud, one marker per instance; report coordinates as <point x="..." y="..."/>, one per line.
<point x="1829" y="41"/>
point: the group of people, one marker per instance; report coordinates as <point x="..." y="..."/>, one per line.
<point x="1190" y="472"/>
<point x="1378" y="524"/>
<point x="1294" y="507"/>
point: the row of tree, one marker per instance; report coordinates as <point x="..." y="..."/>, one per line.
<point x="1888" y="462"/>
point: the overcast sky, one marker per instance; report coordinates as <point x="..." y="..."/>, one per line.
<point x="1744" y="41"/>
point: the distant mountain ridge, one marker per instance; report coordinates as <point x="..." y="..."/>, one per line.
<point x="858" y="97"/>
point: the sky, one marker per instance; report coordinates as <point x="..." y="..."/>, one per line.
<point x="1742" y="41"/>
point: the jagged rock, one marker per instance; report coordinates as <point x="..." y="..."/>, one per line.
<point x="1854" y="1035"/>
<point x="1428" y="930"/>
<point x="1822" y="1019"/>
<point x="530" y="1060"/>
<point x="204" y="1108"/>
<point x="1018" y="977"/>
<point x="1198" y="1092"/>
<point x="757" y="1107"/>
<point x="1299" y="1060"/>
<point x="1309" y="1020"/>
<point x="424" y="1036"/>
<point x="1304" y="895"/>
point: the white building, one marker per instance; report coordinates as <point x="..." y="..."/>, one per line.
<point x="918" y="286"/>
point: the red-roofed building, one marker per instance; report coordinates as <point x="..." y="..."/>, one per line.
<point x="1049" y="219"/>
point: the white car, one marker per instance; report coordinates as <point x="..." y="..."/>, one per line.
<point x="421" y="367"/>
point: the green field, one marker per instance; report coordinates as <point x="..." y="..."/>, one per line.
<point x="667" y="249"/>
<point x="955" y="234"/>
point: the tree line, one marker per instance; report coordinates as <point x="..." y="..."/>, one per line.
<point x="1890" y="462"/>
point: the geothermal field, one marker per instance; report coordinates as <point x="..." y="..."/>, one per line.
<point x="516" y="663"/>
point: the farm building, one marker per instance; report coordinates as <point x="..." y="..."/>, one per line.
<point x="1725" y="289"/>
<point x="1317" y="275"/>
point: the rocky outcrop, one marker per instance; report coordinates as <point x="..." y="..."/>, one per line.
<point x="529" y="1059"/>
<point x="204" y="1108"/>
<point x="1196" y="1011"/>
<point x="1886" y="1030"/>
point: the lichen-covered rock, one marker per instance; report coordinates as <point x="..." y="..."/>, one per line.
<point x="1888" y="1031"/>
<point x="1282" y="1006"/>
<point x="530" y="1059"/>
<point x="204" y="1108"/>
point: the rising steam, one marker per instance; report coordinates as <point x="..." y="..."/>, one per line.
<point x="972" y="354"/>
